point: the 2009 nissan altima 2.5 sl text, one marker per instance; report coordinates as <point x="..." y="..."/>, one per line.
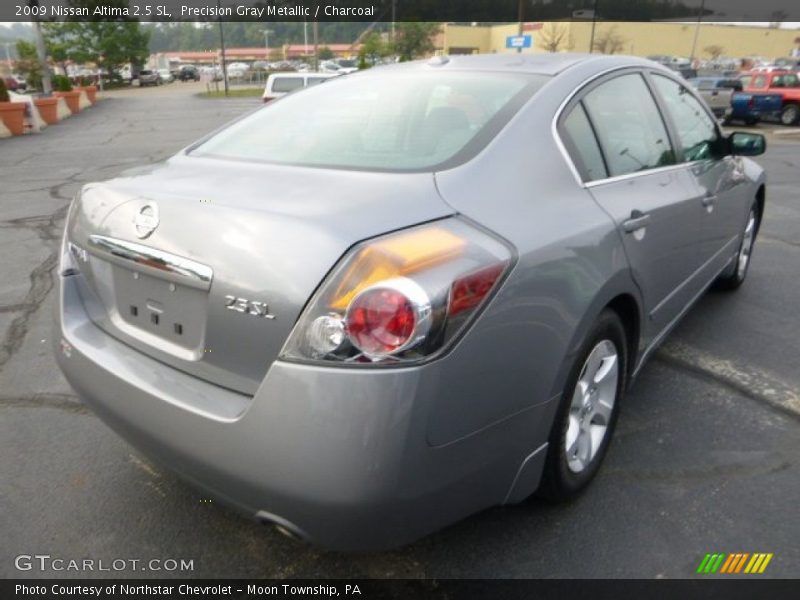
<point x="379" y="305"/>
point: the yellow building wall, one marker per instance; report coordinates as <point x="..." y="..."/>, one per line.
<point x="640" y="39"/>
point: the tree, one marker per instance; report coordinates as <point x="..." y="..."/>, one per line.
<point x="325" y="53"/>
<point x="714" y="51"/>
<point x="109" y="42"/>
<point x="28" y="63"/>
<point x="778" y="17"/>
<point x="554" y="37"/>
<point x="373" y="48"/>
<point x="609" y="42"/>
<point x="414" y="39"/>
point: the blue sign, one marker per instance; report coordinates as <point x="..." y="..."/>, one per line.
<point x="519" y="41"/>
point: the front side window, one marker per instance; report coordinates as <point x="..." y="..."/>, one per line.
<point x="697" y="131"/>
<point x="409" y="121"/>
<point x="760" y="81"/>
<point x="629" y="126"/>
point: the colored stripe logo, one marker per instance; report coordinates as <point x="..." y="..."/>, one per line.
<point x="738" y="562"/>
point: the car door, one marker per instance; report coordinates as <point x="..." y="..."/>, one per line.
<point x="617" y="134"/>
<point x="717" y="176"/>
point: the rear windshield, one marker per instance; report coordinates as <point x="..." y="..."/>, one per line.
<point x="379" y="121"/>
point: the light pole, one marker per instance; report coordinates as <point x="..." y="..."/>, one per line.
<point x="41" y="50"/>
<point x="266" y="42"/>
<point x="8" y="54"/>
<point x="697" y="32"/>
<point x="222" y="49"/>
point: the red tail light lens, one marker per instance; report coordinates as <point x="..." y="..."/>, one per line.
<point x="388" y="318"/>
<point x="400" y="298"/>
<point x="469" y="291"/>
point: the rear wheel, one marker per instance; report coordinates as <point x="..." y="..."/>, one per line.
<point x="790" y="114"/>
<point x="588" y="413"/>
<point x="735" y="275"/>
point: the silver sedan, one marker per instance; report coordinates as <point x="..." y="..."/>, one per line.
<point x="379" y="305"/>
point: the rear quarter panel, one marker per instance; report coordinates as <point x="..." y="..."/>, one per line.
<point x="570" y="264"/>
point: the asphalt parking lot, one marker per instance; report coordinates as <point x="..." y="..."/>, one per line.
<point x="706" y="456"/>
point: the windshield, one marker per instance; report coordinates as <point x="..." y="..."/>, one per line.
<point x="379" y="121"/>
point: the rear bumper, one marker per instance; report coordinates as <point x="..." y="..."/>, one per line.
<point x="338" y="456"/>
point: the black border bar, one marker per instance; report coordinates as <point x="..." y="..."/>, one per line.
<point x="459" y="11"/>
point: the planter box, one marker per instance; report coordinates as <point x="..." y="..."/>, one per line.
<point x="91" y="92"/>
<point x="48" y="108"/>
<point x="72" y="99"/>
<point x="13" y="115"/>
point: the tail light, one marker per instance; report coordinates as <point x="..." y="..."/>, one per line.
<point x="400" y="298"/>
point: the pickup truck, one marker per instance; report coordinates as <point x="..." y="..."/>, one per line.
<point x="784" y="83"/>
<point x="717" y="92"/>
<point x="752" y="107"/>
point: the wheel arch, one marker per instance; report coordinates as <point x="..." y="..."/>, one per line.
<point x="620" y="294"/>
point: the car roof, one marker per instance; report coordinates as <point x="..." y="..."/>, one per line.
<point x="541" y="64"/>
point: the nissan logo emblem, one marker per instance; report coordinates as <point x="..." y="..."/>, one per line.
<point x="146" y="220"/>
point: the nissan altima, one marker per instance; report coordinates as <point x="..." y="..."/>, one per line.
<point x="379" y="305"/>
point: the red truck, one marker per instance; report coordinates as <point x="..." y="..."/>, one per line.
<point x="785" y="83"/>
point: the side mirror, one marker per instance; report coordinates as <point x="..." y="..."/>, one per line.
<point x="747" y="144"/>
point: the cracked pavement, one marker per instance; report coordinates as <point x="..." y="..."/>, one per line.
<point x="705" y="458"/>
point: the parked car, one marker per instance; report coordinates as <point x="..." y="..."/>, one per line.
<point x="399" y="307"/>
<point x="189" y="73"/>
<point x="752" y="107"/>
<point x="280" y="84"/>
<point x="15" y="83"/>
<point x="789" y="63"/>
<point x="785" y="83"/>
<point x="346" y="65"/>
<point x="149" y="77"/>
<point x="717" y="92"/>
<point x="166" y="76"/>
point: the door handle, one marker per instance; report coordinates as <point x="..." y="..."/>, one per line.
<point x="709" y="200"/>
<point x="637" y="221"/>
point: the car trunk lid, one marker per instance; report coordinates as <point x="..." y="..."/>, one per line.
<point x="236" y="250"/>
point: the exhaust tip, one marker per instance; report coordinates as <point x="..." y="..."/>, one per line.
<point x="281" y="525"/>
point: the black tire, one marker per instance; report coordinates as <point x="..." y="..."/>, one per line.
<point x="559" y="481"/>
<point x="733" y="277"/>
<point x="790" y="114"/>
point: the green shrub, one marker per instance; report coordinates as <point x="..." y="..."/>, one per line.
<point x="61" y="83"/>
<point x="3" y="91"/>
<point x="86" y="81"/>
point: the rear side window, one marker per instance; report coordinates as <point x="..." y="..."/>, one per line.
<point x="286" y="84"/>
<point x="760" y="81"/>
<point x="629" y="126"/>
<point x="582" y="145"/>
<point x="697" y="131"/>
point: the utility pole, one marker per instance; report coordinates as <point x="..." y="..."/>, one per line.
<point x="315" y="29"/>
<point x="222" y="49"/>
<point x="8" y="54"/>
<point x="697" y="32"/>
<point x="394" y="17"/>
<point x="520" y="18"/>
<point x="305" y="38"/>
<point x="266" y="42"/>
<point x="594" y="22"/>
<point x="41" y="51"/>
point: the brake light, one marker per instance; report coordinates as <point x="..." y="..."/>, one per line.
<point x="387" y="318"/>
<point x="400" y="298"/>
<point x="469" y="291"/>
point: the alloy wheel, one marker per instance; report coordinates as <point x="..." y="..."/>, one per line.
<point x="592" y="405"/>
<point x="743" y="259"/>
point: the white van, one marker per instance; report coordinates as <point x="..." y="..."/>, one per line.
<point x="280" y="84"/>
